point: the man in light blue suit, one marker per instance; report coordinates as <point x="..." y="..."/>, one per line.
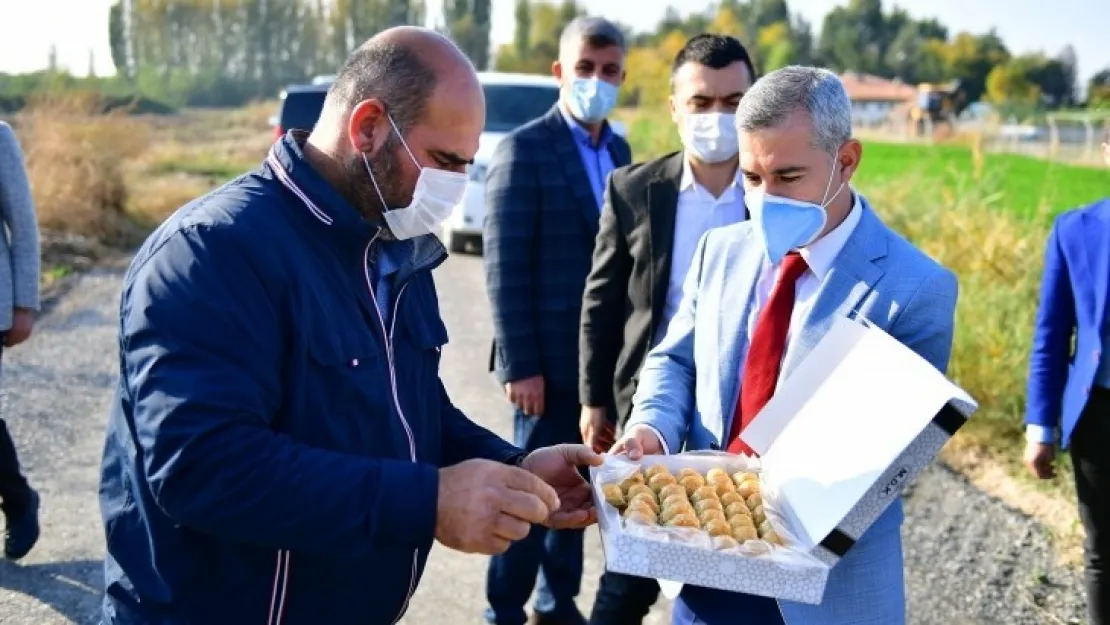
<point x="760" y="295"/>
<point x="1069" y="387"/>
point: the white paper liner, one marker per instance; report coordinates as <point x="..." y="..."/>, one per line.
<point x="793" y="556"/>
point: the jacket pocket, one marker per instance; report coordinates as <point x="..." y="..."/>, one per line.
<point x="347" y="390"/>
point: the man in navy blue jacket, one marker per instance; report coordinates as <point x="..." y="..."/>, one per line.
<point x="280" y="441"/>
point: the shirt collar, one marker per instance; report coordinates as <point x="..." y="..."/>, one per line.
<point x="821" y="254"/>
<point x="687" y="182"/>
<point x="581" y="135"/>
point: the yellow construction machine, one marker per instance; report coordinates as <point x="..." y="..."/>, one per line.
<point x="937" y="106"/>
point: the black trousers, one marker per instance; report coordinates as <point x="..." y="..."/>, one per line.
<point x="1089" y="444"/>
<point x="15" y="494"/>
<point x="623" y="599"/>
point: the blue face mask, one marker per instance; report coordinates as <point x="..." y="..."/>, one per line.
<point x="591" y="99"/>
<point x="786" y="224"/>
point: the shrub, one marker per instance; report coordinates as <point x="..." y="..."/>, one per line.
<point x="75" y="155"/>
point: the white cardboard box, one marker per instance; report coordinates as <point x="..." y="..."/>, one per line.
<point x="847" y="431"/>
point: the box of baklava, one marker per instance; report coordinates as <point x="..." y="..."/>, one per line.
<point x="845" y="433"/>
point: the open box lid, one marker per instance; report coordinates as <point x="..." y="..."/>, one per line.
<point x="841" y="418"/>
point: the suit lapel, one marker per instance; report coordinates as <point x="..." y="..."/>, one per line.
<point x="851" y="277"/>
<point x="620" y="152"/>
<point x="570" y="161"/>
<point x="662" y="201"/>
<point x="1097" y="265"/>
<point x="736" y="299"/>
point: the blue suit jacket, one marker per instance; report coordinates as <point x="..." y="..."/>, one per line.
<point x="541" y="223"/>
<point x="1073" y="304"/>
<point x="690" y="382"/>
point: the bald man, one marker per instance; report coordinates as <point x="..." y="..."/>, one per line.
<point x="281" y="449"/>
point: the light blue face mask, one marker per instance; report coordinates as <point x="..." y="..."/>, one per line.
<point x="591" y="99"/>
<point x="786" y="224"/>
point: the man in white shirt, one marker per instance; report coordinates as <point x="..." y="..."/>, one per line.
<point x="654" y="215"/>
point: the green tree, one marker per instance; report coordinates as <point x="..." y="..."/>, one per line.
<point x="1098" y="89"/>
<point x="759" y="14"/>
<point x="776" y="47"/>
<point x="117" y="39"/>
<point x="522" y="35"/>
<point x="802" y="33"/>
<point x="970" y="58"/>
<point x="1009" y="89"/>
<point x="536" y="42"/>
<point x="1056" y="77"/>
<point x="852" y="37"/>
<point x="481" y="46"/>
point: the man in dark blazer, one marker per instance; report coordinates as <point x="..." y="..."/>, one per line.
<point x="544" y="195"/>
<point x="654" y="215"/>
<point x="1069" y="379"/>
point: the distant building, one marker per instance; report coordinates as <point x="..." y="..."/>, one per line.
<point x="874" y="98"/>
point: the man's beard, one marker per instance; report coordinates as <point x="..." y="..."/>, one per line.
<point x="387" y="172"/>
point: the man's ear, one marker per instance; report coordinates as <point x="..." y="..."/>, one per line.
<point x="367" y="127"/>
<point x="557" y="71"/>
<point x="849" y="158"/>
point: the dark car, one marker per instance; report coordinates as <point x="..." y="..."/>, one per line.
<point x="300" y="108"/>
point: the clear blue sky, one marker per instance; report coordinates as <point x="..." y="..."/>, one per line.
<point x="78" y="26"/>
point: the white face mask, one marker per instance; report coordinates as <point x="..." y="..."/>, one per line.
<point x="436" y="194"/>
<point x="711" y="137"/>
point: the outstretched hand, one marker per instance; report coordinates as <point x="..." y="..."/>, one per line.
<point x="558" y="466"/>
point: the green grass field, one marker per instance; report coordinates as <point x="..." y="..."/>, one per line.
<point x="1023" y="185"/>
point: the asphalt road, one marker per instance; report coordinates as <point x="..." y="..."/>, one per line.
<point x="969" y="558"/>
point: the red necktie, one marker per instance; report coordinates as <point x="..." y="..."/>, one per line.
<point x="768" y="344"/>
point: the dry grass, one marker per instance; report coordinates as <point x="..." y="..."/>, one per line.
<point x="75" y="161"/>
<point x="102" y="180"/>
<point x="110" y="176"/>
<point x="998" y="258"/>
<point x="194" y="152"/>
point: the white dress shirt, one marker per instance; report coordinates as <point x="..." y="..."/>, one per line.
<point x="697" y="212"/>
<point x="819" y="256"/>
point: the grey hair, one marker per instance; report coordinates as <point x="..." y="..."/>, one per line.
<point x="817" y="91"/>
<point x="596" y="31"/>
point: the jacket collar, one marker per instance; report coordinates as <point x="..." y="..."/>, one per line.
<point x="324" y="205"/>
<point x="287" y="162"/>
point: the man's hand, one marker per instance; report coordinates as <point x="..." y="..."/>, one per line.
<point x="23" y="321"/>
<point x="638" y="441"/>
<point x="1039" y="458"/>
<point x="597" y="433"/>
<point x="484" y="505"/>
<point x="558" y="466"/>
<point x="527" y="394"/>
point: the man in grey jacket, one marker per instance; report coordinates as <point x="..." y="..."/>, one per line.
<point x="19" y="300"/>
